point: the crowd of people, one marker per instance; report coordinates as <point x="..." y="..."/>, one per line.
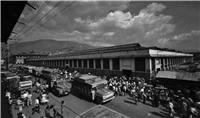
<point x="177" y="101"/>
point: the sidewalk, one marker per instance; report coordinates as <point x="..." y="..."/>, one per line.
<point x="5" y="111"/>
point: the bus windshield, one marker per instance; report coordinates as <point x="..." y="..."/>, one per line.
<point x="101" y="86"/>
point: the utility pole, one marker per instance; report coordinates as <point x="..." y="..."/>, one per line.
<point x="8" y="55"/>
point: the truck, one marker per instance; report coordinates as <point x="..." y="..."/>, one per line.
<point x="84" y="84"/>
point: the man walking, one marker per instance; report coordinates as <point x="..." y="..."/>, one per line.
<point x="62" y="108"/>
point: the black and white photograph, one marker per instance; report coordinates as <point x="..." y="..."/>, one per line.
<point x="100" y="59"/>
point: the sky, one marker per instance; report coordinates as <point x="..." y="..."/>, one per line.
<point x="168" y="24"/>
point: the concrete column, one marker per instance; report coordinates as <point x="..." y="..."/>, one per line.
<point x="88" y="63"/>
<point x="148" y="65"/>
<point x="94" y="62"/>
<point x="77" y="63"/>
<point x="111" y="64"/>
<point x="170" y="60"/>
<point x="82" y="63"/>
<point x="168" y="63"/>
<point x="102" y="64"/>
<point x="163" y="64"/>
<point x="120" y="64"/>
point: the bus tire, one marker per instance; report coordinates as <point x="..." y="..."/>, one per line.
<point x="98" y="100"/>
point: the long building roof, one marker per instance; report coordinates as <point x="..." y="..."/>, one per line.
<point x="118" y="48"/>
<point x="112" y="49"/>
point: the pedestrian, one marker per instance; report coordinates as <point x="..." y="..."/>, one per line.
<point x="47" y="111"/>
<point x="21" y="115"/>
<point x="55" y="112"/>
<point x="93" y="93"/>
<point x="29" y="99"/>
<point x="171" y="108"/>
<point x="62" y="108"/>
<point x="19" y="104"/>
<point x="37" y="105"/>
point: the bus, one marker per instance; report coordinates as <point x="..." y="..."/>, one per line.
<point x="50" y="76"/>
<point x="84" y="84"/>
<point x="48" y="73"/>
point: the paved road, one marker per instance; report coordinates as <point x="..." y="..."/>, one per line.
<point x="76" y="104"/>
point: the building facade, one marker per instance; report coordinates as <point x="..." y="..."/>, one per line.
<point x="129" y="60"/>
<point x="20" y="58"/>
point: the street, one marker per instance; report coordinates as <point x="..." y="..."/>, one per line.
<point x="76" y="104"/>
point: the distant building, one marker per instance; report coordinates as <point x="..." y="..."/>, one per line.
<point x="2" y="61"/>
<point x="129" y="60"/>
<point x="20" y="58"/>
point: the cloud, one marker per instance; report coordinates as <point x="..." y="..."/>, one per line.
<point x="127" y="28"/>
<point x="183" y="41"/>
<point x="185" y="36"/>
<point x="162" y="30"/>
<point x="106" y="22"/>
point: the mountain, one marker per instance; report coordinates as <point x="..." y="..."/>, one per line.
<point x="191" y="50"/>
<point x="47" y="46"/>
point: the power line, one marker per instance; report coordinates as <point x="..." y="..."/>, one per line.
<point x="53" y="16"/>
<point x="41" y="8"/>
<point x="30" y="8"/>
<point x="44" y="16"/>
<point x="44" y="5"/>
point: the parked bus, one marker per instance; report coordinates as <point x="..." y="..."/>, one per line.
<point x="84" y="84"/>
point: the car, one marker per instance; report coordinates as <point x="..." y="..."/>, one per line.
<point x="60" y="88"/>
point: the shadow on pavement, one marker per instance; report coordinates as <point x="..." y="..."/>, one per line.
<point x="129" y="102"/>
<point x="161" y="114"/>
<point x="75" y="93"/>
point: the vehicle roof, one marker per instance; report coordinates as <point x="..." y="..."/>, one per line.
<point x="90" y="79"/>
<point x="49" y="69"/>
<point x="22" y="74"/>
<point x="9" y="74"/>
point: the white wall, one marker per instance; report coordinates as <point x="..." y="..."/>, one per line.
<point x="127" y="64"/>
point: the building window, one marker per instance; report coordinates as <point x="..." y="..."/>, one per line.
<point x="79" y="63"/>
<point x="140" y="64"/>
<point x="85" y="63"/>
<point x="91" y="63"/>
<point x="75" y="63"/>
<point x="70" y="63"/>
<point x="116" y="64"/>
<point x="153" y="63"/>
<point x="98" y="63"/>
<point x="106" y="64"/>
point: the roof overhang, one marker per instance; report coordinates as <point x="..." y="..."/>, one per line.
<point x="10" y="13"/>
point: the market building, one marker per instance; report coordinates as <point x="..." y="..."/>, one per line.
<point x="20" y="58"/>
<point x="128" y="60"/>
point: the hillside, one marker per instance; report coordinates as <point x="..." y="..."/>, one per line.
<point x="47" y="46"/>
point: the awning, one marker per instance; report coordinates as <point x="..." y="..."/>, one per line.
<point x="182" y="75"/>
